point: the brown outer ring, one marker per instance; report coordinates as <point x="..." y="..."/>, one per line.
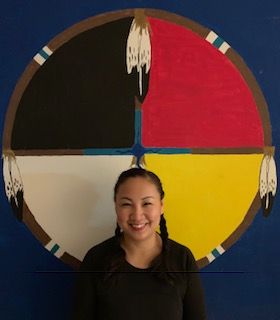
<point x="91" y="22"/>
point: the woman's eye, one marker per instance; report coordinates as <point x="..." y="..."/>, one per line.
<point x="147" y="203"/>
<point x="125" y="204"/>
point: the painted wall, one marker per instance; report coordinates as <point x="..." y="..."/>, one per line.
<point x="242" y="283"/>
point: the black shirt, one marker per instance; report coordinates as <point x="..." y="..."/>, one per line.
<point x="136" y="293"/>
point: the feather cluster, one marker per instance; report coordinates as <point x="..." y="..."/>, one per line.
<point x="138" y="48"/>
<point x="268" y="183"/>
<point x="13" y="183"/>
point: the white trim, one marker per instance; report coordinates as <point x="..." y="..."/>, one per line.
<point x="224" y="47"/>
<point x="210" y="257"/>
<point x="211" y="37"/>
<point x="39" y="59"/>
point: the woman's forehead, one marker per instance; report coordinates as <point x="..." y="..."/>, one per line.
<point x="138" y="185"/>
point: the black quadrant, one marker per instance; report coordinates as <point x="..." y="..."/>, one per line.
<point x="82" y="96"/>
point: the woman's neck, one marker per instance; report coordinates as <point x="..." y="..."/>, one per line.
<point x="140" y="254"/>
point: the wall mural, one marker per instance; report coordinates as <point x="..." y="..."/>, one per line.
<point x="138" y="88"/>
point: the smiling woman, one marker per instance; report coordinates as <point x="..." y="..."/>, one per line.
<point x="138" y="207"/>
<point x="139" y="273"/>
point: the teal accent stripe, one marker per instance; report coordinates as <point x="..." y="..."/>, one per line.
<point x="215" y="253"/>
<point x="54" y="248"/>
<point x="43" y="54"/>
<point x="107" y="151"/>
<point x="128" y="151"/>
<point x="169" y="150"/>
<point x="138" y="126"/>
<point x="218" y="42"/>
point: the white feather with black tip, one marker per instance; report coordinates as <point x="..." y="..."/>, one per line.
<point x="138" y="50"/>
<point x="12" y="178"/>
<point x="268" y="182"/>
<point x="145" y="50"/>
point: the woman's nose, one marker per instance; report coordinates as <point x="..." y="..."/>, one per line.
<point x="137" y="212"/>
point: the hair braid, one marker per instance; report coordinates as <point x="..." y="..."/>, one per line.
<point x="163" y="265"/>
<point x="163" y="232"/>
<point x="118" y="232"/>
<point x="116" y="262"/>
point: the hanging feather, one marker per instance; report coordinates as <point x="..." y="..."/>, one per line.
<point x="138" y="47"/>
<point x="13" y="183"/>
<point x="268" y="181"/>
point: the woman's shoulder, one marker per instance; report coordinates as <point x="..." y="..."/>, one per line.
<point x="98" y="254"/>
<point x="104" y="246"/>
<point x="174" y="245"/>
<point x="181" y="254"/>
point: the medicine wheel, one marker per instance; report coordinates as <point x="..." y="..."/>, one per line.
<point x="136" y="88"/>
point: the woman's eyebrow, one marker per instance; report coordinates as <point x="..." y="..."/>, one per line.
<point x="125" y="198"/>
<point x="144" y="198"/>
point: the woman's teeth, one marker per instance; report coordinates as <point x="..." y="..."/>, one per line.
<point x="138" y="226"/>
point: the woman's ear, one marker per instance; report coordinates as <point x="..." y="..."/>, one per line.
<point x="161" y="201"/>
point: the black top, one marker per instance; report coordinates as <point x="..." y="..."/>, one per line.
<point x="138" y="293"/>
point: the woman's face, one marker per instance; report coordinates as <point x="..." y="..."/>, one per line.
<point x="138" y="208"/>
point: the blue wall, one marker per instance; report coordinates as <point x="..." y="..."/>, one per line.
<point x="242" y="284"/>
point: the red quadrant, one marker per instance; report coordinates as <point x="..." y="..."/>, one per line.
<point x="196" y="96"/>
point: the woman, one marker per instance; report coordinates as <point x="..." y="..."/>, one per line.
<point x="138" y="273"/>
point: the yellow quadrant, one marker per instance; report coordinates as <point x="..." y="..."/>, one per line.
<point x="207" y="196"/>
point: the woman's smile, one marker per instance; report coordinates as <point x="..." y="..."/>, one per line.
<point x="138" y="227"/>
<point x="138" y="208"/>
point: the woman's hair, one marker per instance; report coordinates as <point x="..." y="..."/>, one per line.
<point x="159" y="265"/>
<point x="139" y="172"/>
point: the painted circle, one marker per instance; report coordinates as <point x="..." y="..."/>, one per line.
<point x="202" y="125"/>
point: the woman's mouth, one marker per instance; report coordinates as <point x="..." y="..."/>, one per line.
<point x="138" y="226"/>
